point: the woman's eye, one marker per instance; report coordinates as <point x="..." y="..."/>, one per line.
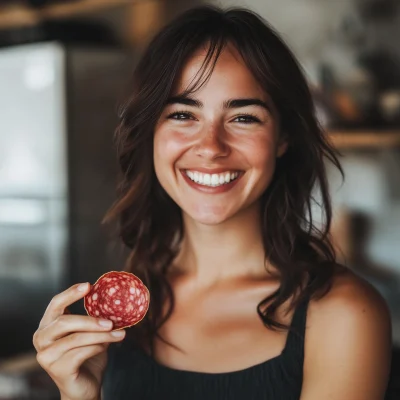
<point x="180" y="116"/>
<point x="246" y="119"/>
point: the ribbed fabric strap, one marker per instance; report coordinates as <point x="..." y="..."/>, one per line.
<point x="296" y="335"/>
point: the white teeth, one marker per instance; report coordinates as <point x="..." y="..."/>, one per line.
<point x="214" y="179"/>
<point x="211" y="179"/>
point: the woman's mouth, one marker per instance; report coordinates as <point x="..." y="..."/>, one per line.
<point x="212" y="182"/>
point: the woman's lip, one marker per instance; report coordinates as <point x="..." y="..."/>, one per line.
<point x="211" y="189"/>
<point x="211" y="170"/>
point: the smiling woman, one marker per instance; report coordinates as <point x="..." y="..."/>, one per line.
<point x="220" y="152"/>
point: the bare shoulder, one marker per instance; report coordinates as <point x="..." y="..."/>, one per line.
<point x="348" y="342"/>
<point x="351" y="300"/>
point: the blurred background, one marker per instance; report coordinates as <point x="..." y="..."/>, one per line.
<point x="63" y="66"/>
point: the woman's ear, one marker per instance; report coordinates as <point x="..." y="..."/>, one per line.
<point x="282" y="146"/>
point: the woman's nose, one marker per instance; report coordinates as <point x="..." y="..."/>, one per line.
<point x="211" y="143"/>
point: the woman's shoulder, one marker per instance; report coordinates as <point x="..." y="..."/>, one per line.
<point x="348" y="335"/>
<point x="350" y="299"/>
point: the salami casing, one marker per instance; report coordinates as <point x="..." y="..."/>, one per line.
<point x="120" y="297"/>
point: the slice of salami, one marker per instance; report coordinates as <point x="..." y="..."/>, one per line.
<point x="120" y="297"/>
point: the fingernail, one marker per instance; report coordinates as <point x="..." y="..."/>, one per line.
<point x="105" y="322"/>
<point x="82" y="287"/>
<point x="118" y="333"/>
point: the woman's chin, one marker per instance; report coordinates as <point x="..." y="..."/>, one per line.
<point x="209" y="218"/>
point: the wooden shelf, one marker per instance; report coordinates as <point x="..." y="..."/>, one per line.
<point x="344" y="140"/>
<point x="20" y="16"/>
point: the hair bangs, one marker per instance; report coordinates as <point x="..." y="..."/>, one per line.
<point x="213" y="42"/>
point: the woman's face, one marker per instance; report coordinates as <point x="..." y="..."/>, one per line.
<point x="215" y="151"/>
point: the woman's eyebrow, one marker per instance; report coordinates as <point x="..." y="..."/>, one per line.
<point x="185" y="100"/>
<point x="232" y="103"/>
<point x="237" y="103"/>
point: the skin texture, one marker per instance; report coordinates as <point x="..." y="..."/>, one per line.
<point x="214" y="137"/>
<point x="348" y="343"/>
<point x="220" y="276"/>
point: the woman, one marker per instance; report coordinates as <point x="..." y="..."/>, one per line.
<point x="220" y="151"/>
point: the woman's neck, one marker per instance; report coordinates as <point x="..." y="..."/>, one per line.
<point x="232" y="249"/>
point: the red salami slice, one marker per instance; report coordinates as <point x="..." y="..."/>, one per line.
<point x="120" y="297"/>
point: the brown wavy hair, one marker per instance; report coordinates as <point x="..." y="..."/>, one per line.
<point x="150" y="223"/>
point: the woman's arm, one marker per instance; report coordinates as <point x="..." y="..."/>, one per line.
<point x="348" y="343"/>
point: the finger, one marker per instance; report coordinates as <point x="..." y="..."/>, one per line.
<point x="80" y="340"/>
<point x="66" y="324"/>
<point x="71" y="361"/>
<point x="61" y="301"/>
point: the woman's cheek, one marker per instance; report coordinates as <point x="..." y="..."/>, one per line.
<point x="169" y="146"/>
<point x="259" y="150"/>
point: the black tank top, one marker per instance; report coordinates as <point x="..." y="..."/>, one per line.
<point x="131" y="374"/>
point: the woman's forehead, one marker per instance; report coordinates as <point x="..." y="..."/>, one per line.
<point x="230" y="72"/>
<point x="228" y="56"/>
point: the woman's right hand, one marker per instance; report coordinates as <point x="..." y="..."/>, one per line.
<point x="72" y="349"/>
